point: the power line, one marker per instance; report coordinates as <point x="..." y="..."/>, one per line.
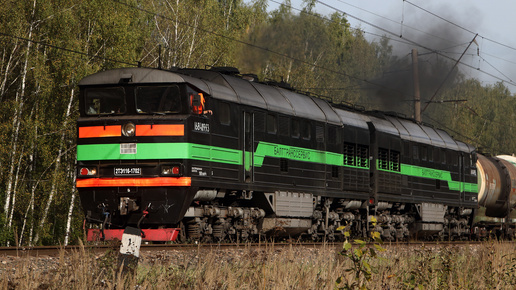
<point x="448" y="75"/>
<point x="414" y="42"/>
<point x="66" y="49"/>
<point x="442" y="18"/>
<point x="457" y="25"/>
<point x="394" y="21"/>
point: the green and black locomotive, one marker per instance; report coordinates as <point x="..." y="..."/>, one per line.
<point x="217" y="155"/>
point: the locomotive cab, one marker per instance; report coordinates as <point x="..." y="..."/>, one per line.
<point x="132" y="148"/>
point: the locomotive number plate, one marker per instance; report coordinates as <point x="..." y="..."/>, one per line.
<point x="127" y="171"/>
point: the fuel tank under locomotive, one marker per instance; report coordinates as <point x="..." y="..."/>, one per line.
<point x="497" y="184"/>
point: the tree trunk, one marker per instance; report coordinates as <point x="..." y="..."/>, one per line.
<point x="56" y="170"/>
<point x="20" y="96"/>
<point x="70" y="212"/>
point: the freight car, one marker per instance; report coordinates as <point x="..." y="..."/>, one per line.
<point x="217" y="155"/>
<point x="496" y="197"/>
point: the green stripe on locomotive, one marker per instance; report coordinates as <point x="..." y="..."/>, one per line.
<point x="93" y="152"/>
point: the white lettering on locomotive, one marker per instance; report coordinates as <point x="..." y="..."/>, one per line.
<point x="201" y="127"/>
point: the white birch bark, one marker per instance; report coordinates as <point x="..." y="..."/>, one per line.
<point x="29" y="206"/>
<point x="13" y="202"/>
<point x="56" y="171"/>
<point x="20" y="96"/>
<point x="70" y="212"/>
<point x="7" y="72"/>
<point x="32" y="166"/>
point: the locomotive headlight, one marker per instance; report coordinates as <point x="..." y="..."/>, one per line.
<point x="170" y="170"/>
<point x="166" y="170"/>
<point x="88" y="171"/>
<point x="128" y="129"/>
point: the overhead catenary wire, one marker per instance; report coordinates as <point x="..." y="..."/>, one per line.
<point x="42" y="43"/>
<point x="448" y="75"/>
<point x="459" y="26"/>
<point x="414" y="42"/>
<point x="402" y="22"/>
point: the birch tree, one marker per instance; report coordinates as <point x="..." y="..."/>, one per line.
<point x="197" y="34"/>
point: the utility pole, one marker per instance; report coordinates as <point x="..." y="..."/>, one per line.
<point x="417" y="97"/>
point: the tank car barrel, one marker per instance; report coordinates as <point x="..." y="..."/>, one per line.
<point x="496" y="177"/>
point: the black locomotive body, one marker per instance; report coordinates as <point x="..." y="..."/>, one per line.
<point x="224" y="157"/>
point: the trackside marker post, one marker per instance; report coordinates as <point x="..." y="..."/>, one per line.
<point x="130" y="249"/>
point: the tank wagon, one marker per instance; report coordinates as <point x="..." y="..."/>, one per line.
<point x="216" y="155"/>
<point x="496" y="196"/>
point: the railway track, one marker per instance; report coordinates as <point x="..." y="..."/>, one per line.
<point x="102" y="248"/>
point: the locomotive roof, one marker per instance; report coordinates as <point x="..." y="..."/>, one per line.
<point x="269" y="97"/>
<point x="274" y="98"/>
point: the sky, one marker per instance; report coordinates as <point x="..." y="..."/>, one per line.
<point x="447" y="26"/>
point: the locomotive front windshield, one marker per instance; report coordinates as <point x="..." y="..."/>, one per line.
<point x="158" y="99"/>
<point x="102" y="101"/>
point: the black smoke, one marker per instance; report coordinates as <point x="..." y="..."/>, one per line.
<point x="439" y="45"/>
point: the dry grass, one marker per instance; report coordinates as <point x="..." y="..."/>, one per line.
<point x="487" y="266"/>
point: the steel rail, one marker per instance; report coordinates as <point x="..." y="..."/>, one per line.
<point x="102" y="248"/>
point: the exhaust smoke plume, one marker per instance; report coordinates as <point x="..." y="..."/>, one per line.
<point x="440" y="44"/>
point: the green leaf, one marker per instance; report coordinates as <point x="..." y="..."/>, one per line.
<point x="358" y="253"/>
<point x="359" y="242"/>
<point x="372" y="252"/>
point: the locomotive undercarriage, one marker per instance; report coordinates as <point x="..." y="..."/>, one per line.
<point x="217" y="215"/>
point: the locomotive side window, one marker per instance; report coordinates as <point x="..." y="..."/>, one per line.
<point x="305" y="130"/>
<point x="101" y="101"/>
<point x="443" y="155"/>
<point x="423" y="153"/>
<point x="452" y="157"/>
<point x="295" y="129"/>
<point x="259" y="122"/>
<point x="437" y="155"/>
<point x="415" y="152"/>
<point x="455" y="158"/>
<point x="319" y="133"/>
<point x="224" y="114"/>
<point x="332" y="135"/>
<point x="284" y="124"/>
<point x="406" y="148"/>
<point x="467" y="161"/>
<point x="272" y="125"/>
<point x="158" y="99"/>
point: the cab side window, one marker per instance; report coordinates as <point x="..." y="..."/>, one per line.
<point x="224" y="114"/>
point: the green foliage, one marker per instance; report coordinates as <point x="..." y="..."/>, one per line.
<point x="36" y="82"/>
<point x="360" y="254"/>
